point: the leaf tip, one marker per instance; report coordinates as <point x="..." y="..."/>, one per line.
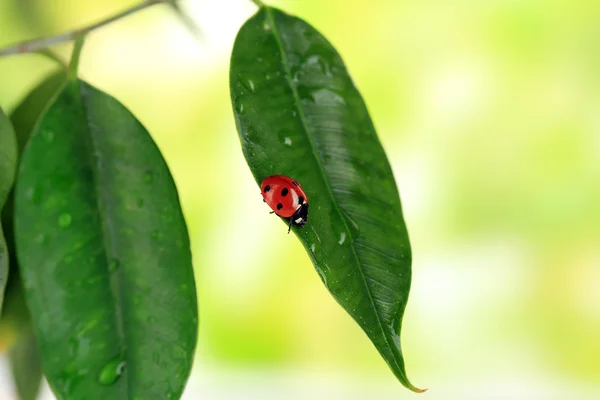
<point x="413" y="388"/>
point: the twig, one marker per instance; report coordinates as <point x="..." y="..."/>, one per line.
<point x="31" y="46"/>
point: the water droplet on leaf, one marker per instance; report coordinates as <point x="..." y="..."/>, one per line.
<point x="239" y="107"/>
<point x="147" y="177"/>
<point x="113" y="265"/>
<point x="48" y="136"/>
<point x="64" y="220"/>
<point x="111" y="371"/>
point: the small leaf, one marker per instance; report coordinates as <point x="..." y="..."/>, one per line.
<point x="104" y="252"/>
<point x="299" y="114"/>
<point x="26" y="367"/>
<point x="8" y="166"/>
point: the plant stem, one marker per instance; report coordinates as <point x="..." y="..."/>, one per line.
<point x="74" y="63"/>
<point x="258" y="3"/>
<point x="42" y="43"/>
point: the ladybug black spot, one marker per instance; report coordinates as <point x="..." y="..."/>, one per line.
<point x="279" y="206"/>
<point x="267" y="188"/>
<point x="284" y="192"/>
<point x="295" y="183"/>
<point x="300" y="200"/>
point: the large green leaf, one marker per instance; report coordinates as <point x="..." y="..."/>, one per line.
<point x="8" y="166"/>
<point x="104" y="253"/>
<point x="298" y="113"/>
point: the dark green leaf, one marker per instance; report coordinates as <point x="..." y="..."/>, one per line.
<point x="26" y="367"/>
<point x="104" y="253"/>
<point x="15" y="323"/>
<point x="15" y="316"/>
<point x="28" y="112"/>
<point x="299" y="114"/>
<point x="8" y="166"/>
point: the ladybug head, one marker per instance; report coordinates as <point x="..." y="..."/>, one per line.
<point x="301" y="215"/>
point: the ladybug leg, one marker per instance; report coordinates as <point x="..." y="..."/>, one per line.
<point x="290" y="227"/>
<point x="271" y="212"/>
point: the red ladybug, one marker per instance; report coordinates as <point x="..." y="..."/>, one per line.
<point x="286" y="198"/>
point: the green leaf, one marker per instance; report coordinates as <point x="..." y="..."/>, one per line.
<point x="8" y="166"/>
<point x="299" y="114"/>
<point x="104" y="253"/>
<point x="25" y="116"/>
<point x="15" y="316"/>
<point x="26" y="367"/>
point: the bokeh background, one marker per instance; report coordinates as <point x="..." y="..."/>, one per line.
<point x="490" y="114"/>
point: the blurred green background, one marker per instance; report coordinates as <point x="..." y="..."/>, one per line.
<point x="490" y="114"/>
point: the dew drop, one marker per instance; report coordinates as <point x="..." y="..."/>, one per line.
<point x="288" y="141"/>
<point x="41" y="238"/>
<point x="247" y="83"/>
<point x="298" y="76"/>
<point x="312" y="248"/>
<point x="111" y="371"/>
<point x="48" y="136"/>
<point x="113" y="265"/>
<point x="147" y="178"/>
<point x="323" y="276"/>
<point x="64" y="220"/>
<point x="342" y="238"/>
<point x="239" y="107"/>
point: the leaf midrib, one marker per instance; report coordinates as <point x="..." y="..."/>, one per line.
<point x="105" y="230"/>
<point x="297" y="103"/>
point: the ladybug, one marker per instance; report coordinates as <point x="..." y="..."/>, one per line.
<point x="286" y="198"/>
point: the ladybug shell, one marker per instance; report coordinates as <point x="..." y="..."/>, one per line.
<point x="283" y="194"/>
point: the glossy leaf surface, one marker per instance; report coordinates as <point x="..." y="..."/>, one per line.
<point x="104" y="253"/>
<point x="299" y="114"/>
<point x="8" y="166"/>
